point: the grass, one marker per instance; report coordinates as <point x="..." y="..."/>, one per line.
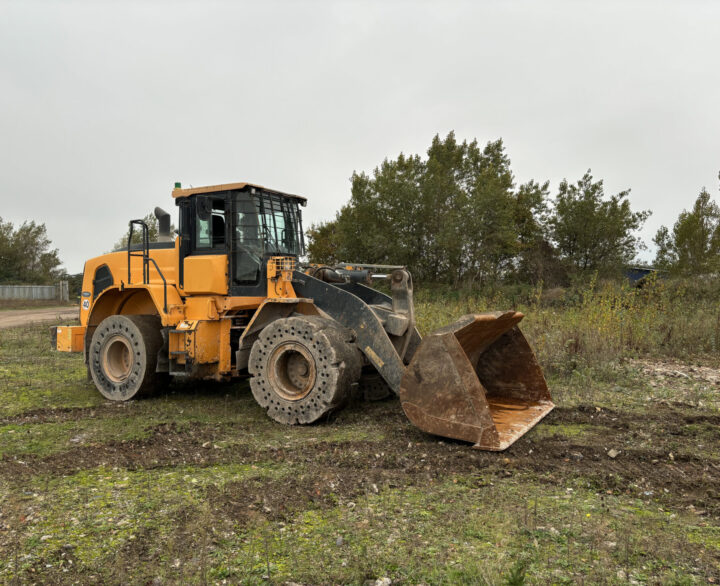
<point x="198" y="486"/>
<point x="454" y="533"/>
<point x="600" y="323"/>
<point x="37" y="377"/>
<point x="9" y="304"/>
<point x="111" y="506"/>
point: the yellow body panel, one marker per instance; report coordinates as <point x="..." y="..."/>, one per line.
<point x="70" y="338"/>
<point x="204" y="307"/>
<point x="206" y="274"/>
<point x="235" y="303"/>
<point x="199" y="314"/>
<point x="203" y="342"/>
<point x="206" y="343"/>
<point x="167" y="260"/>
<point x="279" y="277"/>
<point x="225" y="350"/>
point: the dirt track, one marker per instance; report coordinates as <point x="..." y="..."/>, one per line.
<point x="679" y="480"/>
<point x="20" y="317"/>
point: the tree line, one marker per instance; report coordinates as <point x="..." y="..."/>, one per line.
<point x="27" y="256"/>
<point x="458" y="216"/>
<point x="693" y="244"/>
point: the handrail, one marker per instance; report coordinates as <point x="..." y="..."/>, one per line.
<point x="144" y="253"/>
<point x="157" y="268"/>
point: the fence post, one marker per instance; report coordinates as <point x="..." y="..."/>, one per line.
<point x="64" y="291"/>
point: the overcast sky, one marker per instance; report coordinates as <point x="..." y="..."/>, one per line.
<point x="104" y="105"/>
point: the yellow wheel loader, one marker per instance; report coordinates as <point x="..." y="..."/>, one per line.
<point x="227" y="298"/>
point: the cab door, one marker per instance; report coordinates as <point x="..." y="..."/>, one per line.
<point x="205" y="266"/>
<point x="248" y="260"/>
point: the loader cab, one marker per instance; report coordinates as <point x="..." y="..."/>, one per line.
<point x="249" y="224"/>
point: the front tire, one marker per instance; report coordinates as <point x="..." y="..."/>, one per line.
<point x="303" y="368"/>
<point x="123" y="356"/>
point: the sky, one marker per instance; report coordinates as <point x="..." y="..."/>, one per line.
<point x="104" y="105"/>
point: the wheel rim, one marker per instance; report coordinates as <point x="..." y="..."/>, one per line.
<point x="292" y="371"/>
<point x="117" y="359"/>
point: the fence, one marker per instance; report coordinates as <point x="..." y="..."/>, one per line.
<point x="59" y="291"/>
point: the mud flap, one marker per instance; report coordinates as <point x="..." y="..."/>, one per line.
<point x="476" y="380"/>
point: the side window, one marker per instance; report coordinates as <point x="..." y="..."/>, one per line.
<point x="202" y="233"/>
<point x="209" y="224"/>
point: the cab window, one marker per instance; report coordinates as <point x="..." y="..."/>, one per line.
<point x="209" y="224"/>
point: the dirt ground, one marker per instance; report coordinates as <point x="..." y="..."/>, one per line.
<point x="618" y="484"/>
<point x="409" y="457"/>
<point x="13" y="318"/>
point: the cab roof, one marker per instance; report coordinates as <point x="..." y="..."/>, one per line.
<point x="180" y="192"/>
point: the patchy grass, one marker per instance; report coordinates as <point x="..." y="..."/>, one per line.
<point x="34" y="376"/>
<point x="197" y="486"/>
<point x="175" y="524"/>
<point x="95" y="513"/>
<point x="456" y="532"/>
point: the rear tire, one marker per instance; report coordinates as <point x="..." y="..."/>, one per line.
<point x="123" y="356"/>
<point x="373" y="387"/>
<point x="303" y="368"/>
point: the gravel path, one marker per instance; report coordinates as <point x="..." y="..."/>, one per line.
<point x="19" y="317"/>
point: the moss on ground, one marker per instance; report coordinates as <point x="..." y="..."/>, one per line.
<point x="300" y="503"/>
<point x="34" y="376"/>
<point x="448" y="532"/>
<point x="452" y="533"/>
<point x="95" y="513"/>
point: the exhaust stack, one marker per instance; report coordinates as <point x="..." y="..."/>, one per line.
<point x="163" y="218"/>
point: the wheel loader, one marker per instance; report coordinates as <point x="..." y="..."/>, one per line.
<point x="228" y="298"/>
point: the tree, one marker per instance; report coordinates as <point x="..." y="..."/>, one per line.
<point x="537" y="258"/>
<point x="451" y="217"/>
<point x="323" y="243"/>
<point x="26" y="256"/>
<point x="693" y="247"/>
<point x="487" y="218"/>
<point x="457" y="216"/>
<point x="382" y="223"/>
<point x="665" y="257"/>
<point x="592" y="233"/>
<point x="152" y="224"/>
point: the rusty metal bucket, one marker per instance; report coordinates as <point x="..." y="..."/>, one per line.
<point x="476" y="380"/>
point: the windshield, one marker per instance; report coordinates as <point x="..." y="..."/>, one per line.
<point x="264" y="224"/>
<point x="280" y="221"/>
<point x="268" y="223"/>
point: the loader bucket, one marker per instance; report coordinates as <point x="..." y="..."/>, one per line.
<point x="476" y="380"/>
